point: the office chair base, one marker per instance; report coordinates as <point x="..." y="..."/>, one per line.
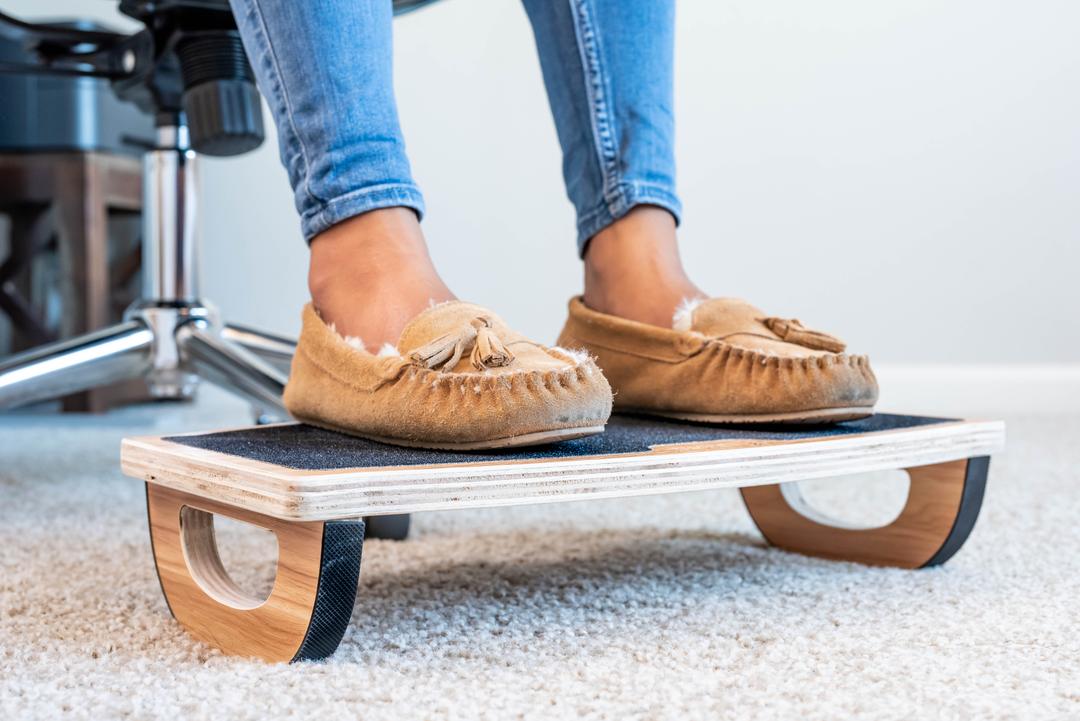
<point x="173" y="345"/>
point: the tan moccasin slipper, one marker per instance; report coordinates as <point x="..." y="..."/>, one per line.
<point x="458" y="379"/>
<point x="724" y="362"/>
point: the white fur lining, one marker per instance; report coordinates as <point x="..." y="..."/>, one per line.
<point x="432" y="303"/>
<point x="683" y="319"/>
<point x="579" y="356"/>
<point x="388" y="349"/>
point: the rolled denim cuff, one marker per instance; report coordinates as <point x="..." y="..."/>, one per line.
<point x="626" y="197"/>
<point x="360" y="201"/>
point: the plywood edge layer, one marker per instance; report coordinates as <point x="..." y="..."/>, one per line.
<point x="304" y="495"/>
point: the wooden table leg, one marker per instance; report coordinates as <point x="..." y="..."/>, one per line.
<point x="309" y="607"/>
<point x="942" y="505"/>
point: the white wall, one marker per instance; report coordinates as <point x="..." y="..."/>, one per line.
<point x="904" y="173"/>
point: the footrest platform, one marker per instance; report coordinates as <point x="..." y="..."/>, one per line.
<point x="312" y="488"/>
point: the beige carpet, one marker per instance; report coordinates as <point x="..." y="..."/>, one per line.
<point x="661" y="607"/>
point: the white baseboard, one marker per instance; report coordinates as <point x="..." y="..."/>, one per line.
<point x="979" y="391"/>
<point x="951" y="390"/>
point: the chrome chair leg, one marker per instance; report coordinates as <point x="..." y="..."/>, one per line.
<point x="106" y="356"/>
<point x="170" y="336"/>
<point x="232" y="367"/>
<point x="274" y="349"/>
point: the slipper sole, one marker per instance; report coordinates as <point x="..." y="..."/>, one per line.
<point x="823" y="415"/>
<point x="526" y="439"/>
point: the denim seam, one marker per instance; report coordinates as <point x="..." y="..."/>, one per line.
<point x="615" y="203"/>
<point x="358" y="201"/>
<point x="270" y="60"/>
<point x="625" y="197"/>
<point x="596" y="93"/>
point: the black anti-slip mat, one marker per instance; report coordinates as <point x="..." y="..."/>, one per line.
<point x="308" y="448"/>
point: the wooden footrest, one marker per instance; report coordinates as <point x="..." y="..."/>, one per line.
<point x="311" y="487"/>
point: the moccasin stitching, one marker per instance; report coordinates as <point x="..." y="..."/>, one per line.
<point x="437" y="379"/>
<point x="685" y="344"/>
<point x="773" y="361"/>
<point x="638" y="354"/>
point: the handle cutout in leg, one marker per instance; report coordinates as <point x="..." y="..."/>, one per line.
<point x="199" y="535"/>
<point x="863" y="501"/>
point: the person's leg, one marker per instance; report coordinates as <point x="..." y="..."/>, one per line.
<point x="608" y="69"/>
<point x="325" y="68"/>
<point x="607" y="66"/>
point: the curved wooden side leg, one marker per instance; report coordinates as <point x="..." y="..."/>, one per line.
<point x="309" y="607"/>
<point x="942" y="505"/>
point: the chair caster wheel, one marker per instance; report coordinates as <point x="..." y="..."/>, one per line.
<point x="390" y="528"/>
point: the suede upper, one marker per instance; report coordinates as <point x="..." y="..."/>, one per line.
<point x="461" y="376"/>
<point x="449" y="320"/>
<point x="727" y="359"/>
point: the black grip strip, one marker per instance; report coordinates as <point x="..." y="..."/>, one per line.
<point x="970" y="503"/>
<point x="339" y="574"/>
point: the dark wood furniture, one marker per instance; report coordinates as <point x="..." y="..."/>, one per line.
<point x="77" y="213"/>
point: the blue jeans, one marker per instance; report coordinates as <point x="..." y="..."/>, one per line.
<point x="325" y="69"/>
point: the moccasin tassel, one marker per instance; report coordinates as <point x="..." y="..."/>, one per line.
<point x="793" y="331"/>
<point x="488" y="351"/>
<point x="447" y="350"/>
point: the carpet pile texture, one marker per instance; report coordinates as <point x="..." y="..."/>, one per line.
<point x="665" y="607"/>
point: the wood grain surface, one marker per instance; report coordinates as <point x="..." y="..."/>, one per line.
<point x="208" y="603"/>
<point x="909" y="541"/>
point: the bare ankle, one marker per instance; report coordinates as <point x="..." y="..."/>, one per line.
<point x="372" y="273"/>
<point x="633" y="269"/>
<point x="373" y="243"/>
